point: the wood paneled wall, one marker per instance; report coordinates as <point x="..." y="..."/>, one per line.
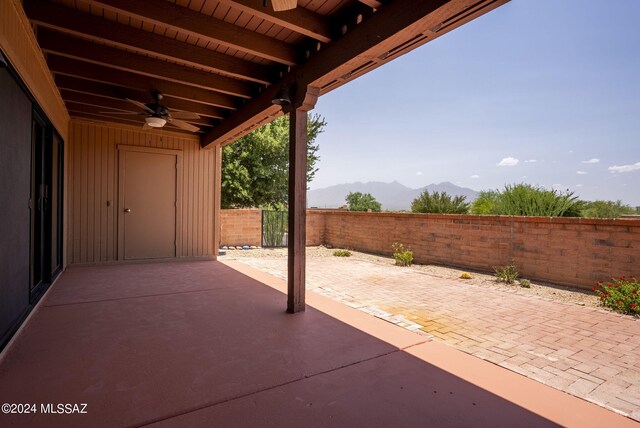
<point x="21" y="48"/>
<point x="92" y="175"/>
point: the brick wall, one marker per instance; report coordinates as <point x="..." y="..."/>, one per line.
<point x="316" y="226"/>
<point x="241" y="227"/>
<point x="244" y="227"/>
<point x="570" y="251"/>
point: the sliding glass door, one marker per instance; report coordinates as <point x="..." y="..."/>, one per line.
<point x="46" y="206"/>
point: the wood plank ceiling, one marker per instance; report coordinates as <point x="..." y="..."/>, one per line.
<point x="221" y="59"/>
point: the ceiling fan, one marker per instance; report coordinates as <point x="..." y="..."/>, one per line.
<point x="156" y="115"/>
<point x="280" y="5"/>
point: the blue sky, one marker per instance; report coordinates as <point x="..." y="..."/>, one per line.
<point x="539" y="91"/>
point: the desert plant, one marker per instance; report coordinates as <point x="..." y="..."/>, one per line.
<point x="507" y="274"/>
<point x="342" y="253"/>
<point x="274" y="226"/>
<point x="486" y="203"/>
<point x="439" y="203"/>
<point x="465" y="275"/>
<point x="402" y="255"/>
<point x="525" y="283"/>
<point x="527" y="200"/>
<point x="621" y="295"/>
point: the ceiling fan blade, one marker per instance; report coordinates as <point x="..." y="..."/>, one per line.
<point x="139" y="104"/>
<point x="280" y="5"/>
<point x="184" y="125"/>
<point x="184" y="115"/>
<point x="130" y="113"/>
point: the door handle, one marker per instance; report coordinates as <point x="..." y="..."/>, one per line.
<point x="127" y="210"/>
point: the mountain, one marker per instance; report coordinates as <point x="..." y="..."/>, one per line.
<point x="392" y="196"/>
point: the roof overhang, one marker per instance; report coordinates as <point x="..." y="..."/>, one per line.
<point x="225" y="60"/>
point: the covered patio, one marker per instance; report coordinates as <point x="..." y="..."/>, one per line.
<point x="120" y="110"/>
<point x="208" y="344"/>
<point x="111" y="295"/>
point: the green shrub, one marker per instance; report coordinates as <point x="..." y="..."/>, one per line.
<point x="402" y="255"/>
<point x="527" y="200"/>
<point x="606" y="209"/>
<point x="507" y="274"/>
<point x="525" y="283"/>
<point x="439" y="203"/>
<point x="342" y="253"/>
<point x="621" y="295"/>
<point x="486" y="203"/>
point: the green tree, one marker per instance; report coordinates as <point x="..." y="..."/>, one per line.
<point x="255" y="168"/>
<point x="439" y="203"/>
<point x="363" y="202"/>
<point x="606" y="209"/>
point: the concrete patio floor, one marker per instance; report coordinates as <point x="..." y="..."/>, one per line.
<point x="205" y="344"/>
<point x="591" y="353"/>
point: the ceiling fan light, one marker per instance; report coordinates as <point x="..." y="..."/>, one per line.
<point x="280" y="5"/>
<point x="155" y="122"/>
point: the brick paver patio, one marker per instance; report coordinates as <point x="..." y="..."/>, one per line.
<point x="590" y="353"/>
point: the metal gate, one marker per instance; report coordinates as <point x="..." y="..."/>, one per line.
<point x="274" y="228"/>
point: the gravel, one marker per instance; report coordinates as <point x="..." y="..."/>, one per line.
<point x="538" y="288"/>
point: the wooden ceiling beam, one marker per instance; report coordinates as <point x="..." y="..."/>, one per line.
<point x="86" y="89"/>
<point x="196" y="24"/>
<point x="83" y="108"/>
<point x="70" y="21"/>
<point x="392" y="26"/>
<point x="86" y="70"/>
<point x="374" y="4"/>
<point x="300" y="20"/>
<point x="96" y="101"/>
<point x="84" y="50"/>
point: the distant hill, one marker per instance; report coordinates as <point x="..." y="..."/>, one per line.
<point x="392" y="196"/>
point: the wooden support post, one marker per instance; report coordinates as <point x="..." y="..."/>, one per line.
<point x="217" y="199"/>
<point x="303" y="100"/>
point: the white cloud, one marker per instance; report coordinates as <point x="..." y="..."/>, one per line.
<point x="594" y="160"/>
<point x="557" y="186"/>
<point x="419" y="173"/>
<point x="530" y="161"/>
<point x="508" y="161"/>
<point x="624" y="168"/>
<point x="524" y="176"/>
<point x="581" y="172"/>
<point x="570" y="151"/>
<point x="475" y="176"/>
<point x="578" y="185"/>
